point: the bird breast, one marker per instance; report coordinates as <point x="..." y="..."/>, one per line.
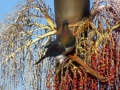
<point x="69" y="49"/>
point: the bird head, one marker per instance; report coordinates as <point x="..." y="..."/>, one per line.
<point x="65" y="22"/>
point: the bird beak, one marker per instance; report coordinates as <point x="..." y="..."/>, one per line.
<point x="68" y="22"/>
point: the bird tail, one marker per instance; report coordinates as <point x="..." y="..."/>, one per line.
<point x="40" y="60"/>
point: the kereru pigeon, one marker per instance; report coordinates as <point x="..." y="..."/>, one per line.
<point x="62" y="45"/>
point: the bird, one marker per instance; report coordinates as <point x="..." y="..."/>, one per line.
<point x="63" y="45"/>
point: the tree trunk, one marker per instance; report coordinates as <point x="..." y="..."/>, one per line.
<point x="72" y="10"/>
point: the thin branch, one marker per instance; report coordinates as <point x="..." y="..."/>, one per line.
<point x="27" y="45"/>
<point x="87" y="68"/>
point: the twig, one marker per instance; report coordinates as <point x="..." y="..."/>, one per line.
<point x="27" y="45"/>
<point x="87" y="68"/>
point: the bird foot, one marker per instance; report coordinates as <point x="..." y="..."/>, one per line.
<point x="61" y="61"/>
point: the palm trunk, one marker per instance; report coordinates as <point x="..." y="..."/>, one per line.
<point x="72" y="10"/>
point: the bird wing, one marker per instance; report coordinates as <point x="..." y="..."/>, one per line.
<point x="49" y="44"/>
<point x="55" y="49"/>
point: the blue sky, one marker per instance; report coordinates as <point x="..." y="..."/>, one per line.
<point x="6" y="6"/>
